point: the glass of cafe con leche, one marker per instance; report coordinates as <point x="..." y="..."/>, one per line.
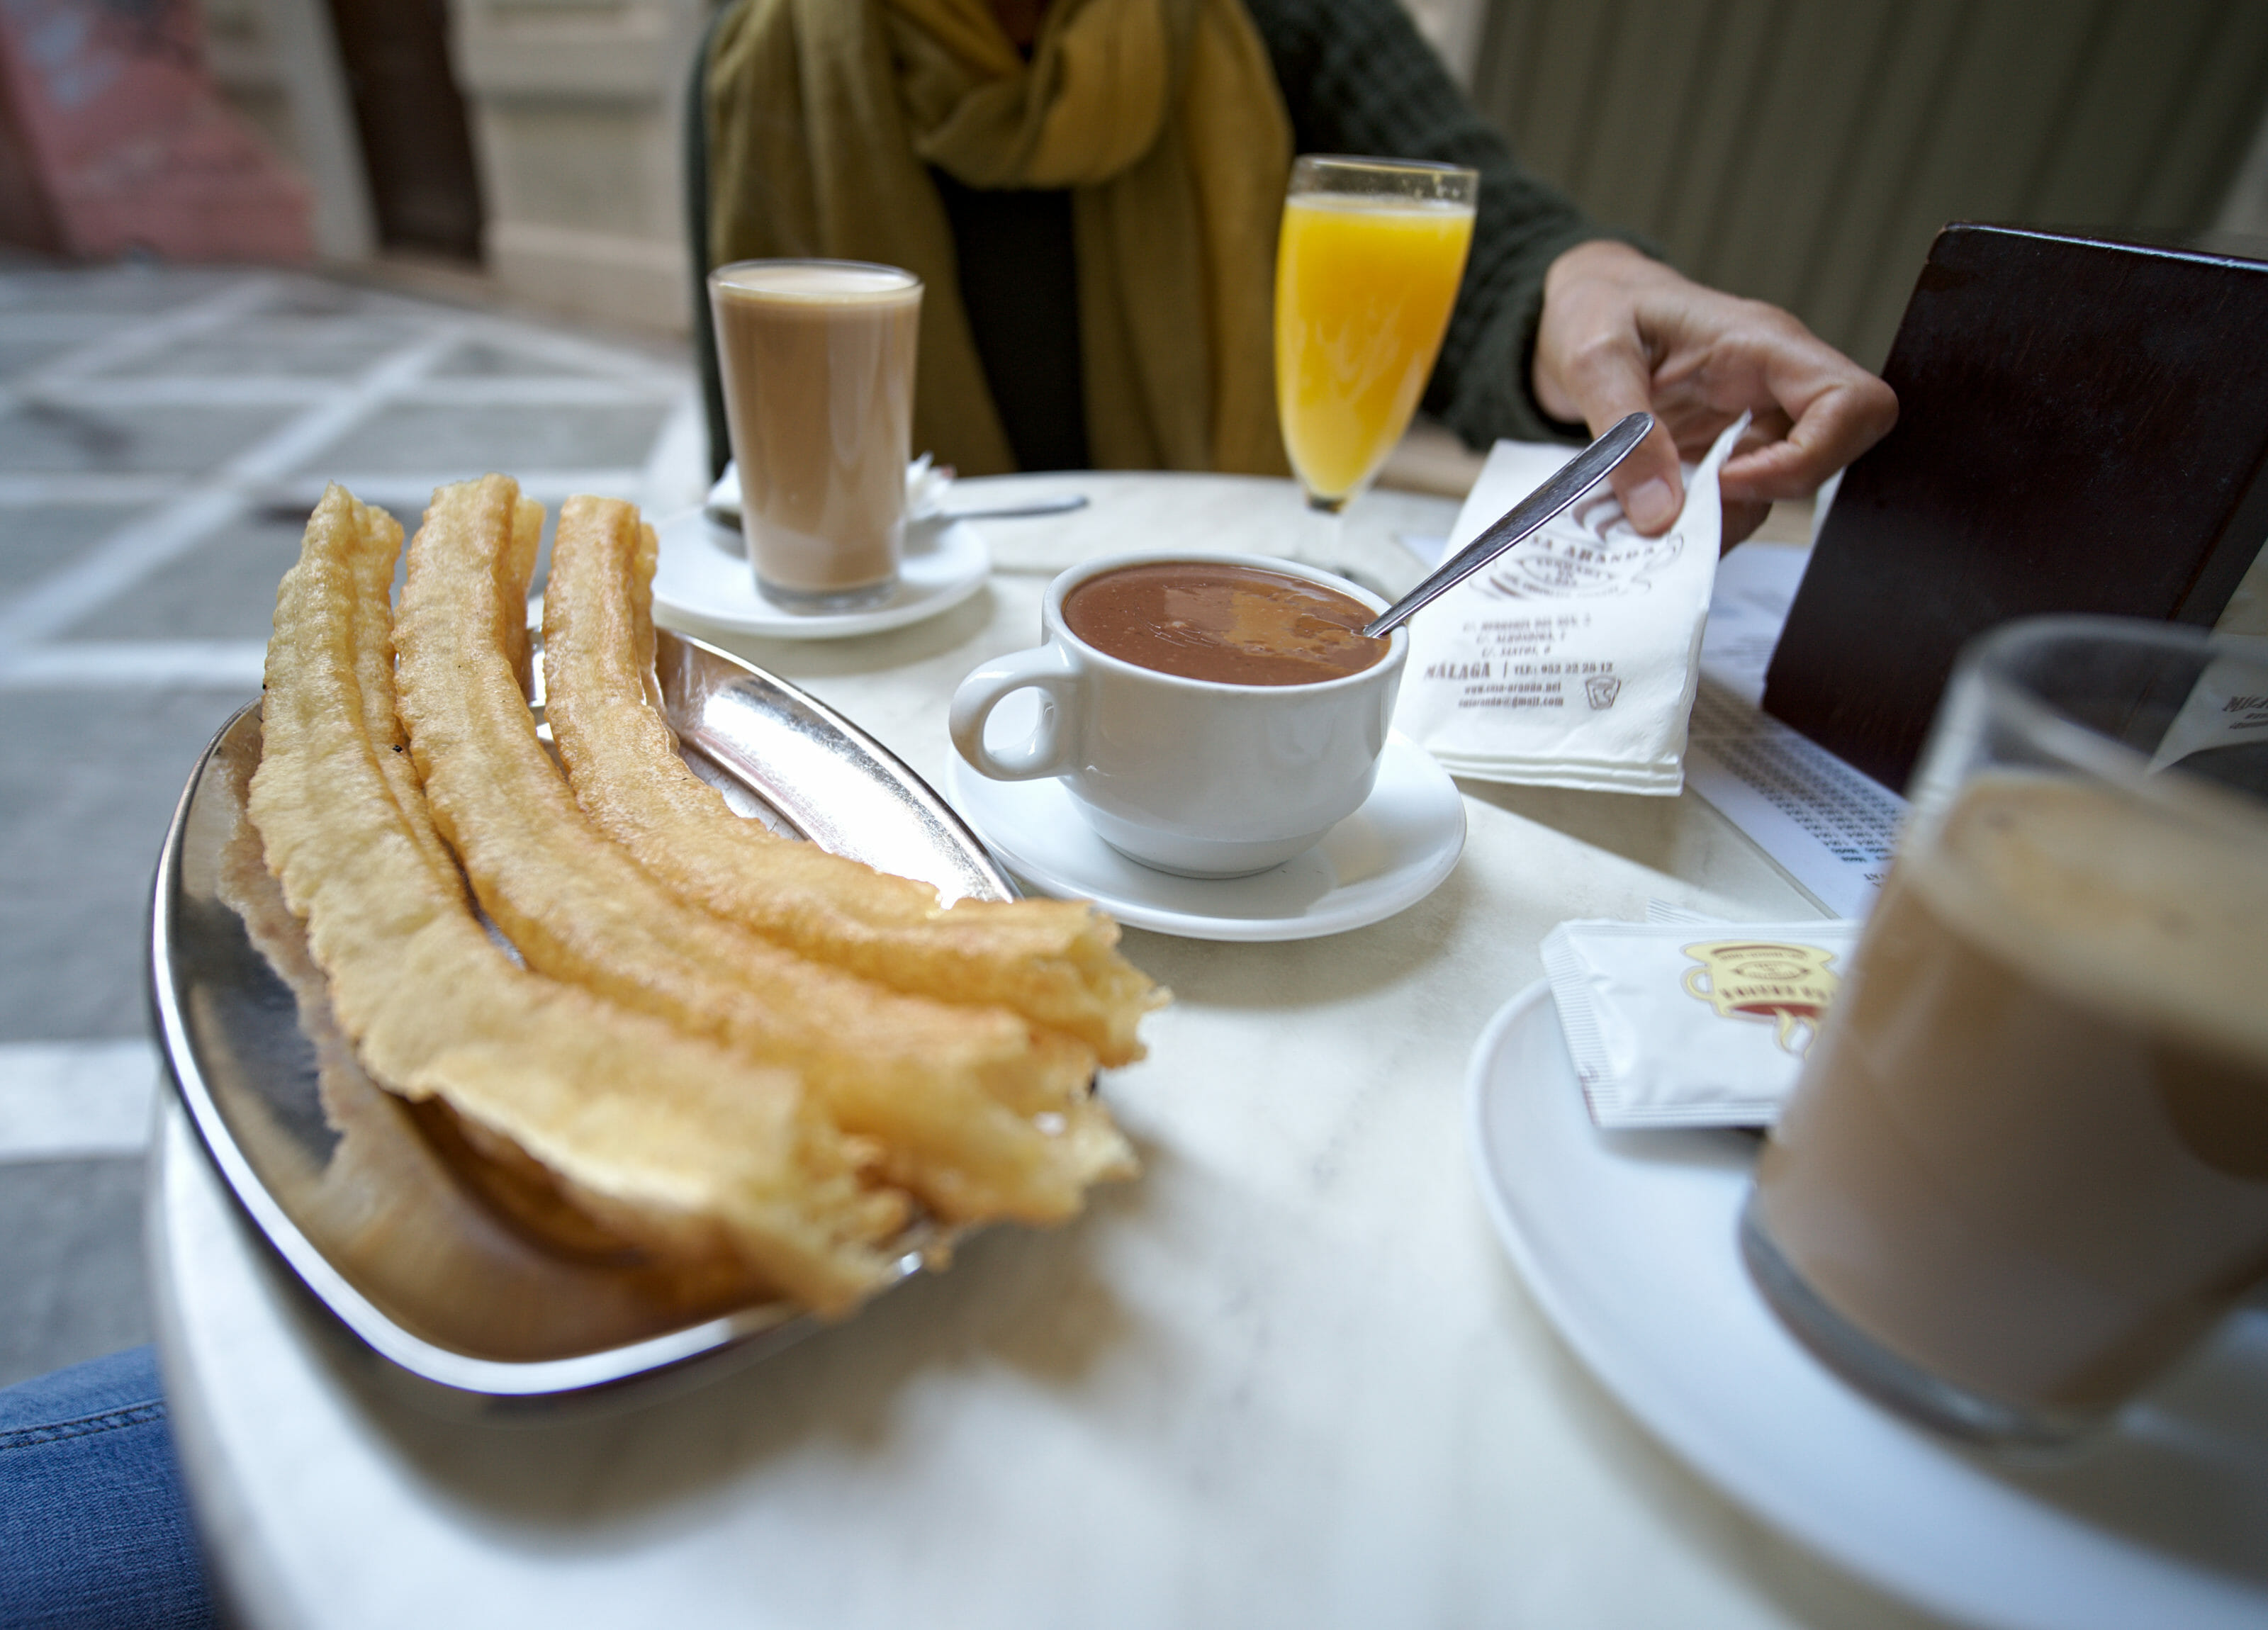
<point x="817" y="359"/>
<point x="2026" y="1166"/>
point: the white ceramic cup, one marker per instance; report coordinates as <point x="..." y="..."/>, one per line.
<point x="1191" y="776"/>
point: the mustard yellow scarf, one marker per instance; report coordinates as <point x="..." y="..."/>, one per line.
<point x="1161" y="116"/>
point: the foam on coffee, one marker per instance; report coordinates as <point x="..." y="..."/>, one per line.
<point x="2030" y="1152"/>
<point x="1230" y="624"/>
<point x="2074" y="883"/>
<point x="822" y="281"/>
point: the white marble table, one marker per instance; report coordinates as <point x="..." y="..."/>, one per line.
<point x="1288" y="1379"/>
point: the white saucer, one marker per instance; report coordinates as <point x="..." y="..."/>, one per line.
<point x="1385" y="857"/>
<point x="702" y="574"/>
<point x="1627" y="1240"/>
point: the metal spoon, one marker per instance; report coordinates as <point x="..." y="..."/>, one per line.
<point x="1061" y="506"/>
<point x="729" y="515"/>
<point x="1582" y="473"/>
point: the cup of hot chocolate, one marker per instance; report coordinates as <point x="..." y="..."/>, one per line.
<point x="1211" y="714"/>
<point x="2026" y="1166"/>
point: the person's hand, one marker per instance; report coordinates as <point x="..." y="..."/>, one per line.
<point x="1622" y="332"/>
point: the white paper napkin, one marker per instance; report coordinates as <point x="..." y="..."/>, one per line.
<point x="1573" y="661"/>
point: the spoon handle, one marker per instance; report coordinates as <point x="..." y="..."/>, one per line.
<point x="728" y="516"/>
<point x="1581" y="473"/>
<point x="1062" y="504"/>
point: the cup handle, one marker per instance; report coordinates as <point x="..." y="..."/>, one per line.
<point x="1051" y="669"/>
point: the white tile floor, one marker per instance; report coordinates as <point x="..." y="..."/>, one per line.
<point x="162" y="433"/>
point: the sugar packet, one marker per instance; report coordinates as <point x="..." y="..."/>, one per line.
<point x="1573" y="661"/>
<point x="1692" y="1023"/>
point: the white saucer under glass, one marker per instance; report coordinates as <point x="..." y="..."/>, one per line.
<point x="703" y="576"/>
<point x="1384" y="858"/>
<point x="1629" y="1241"/>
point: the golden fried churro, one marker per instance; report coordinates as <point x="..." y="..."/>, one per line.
<point x="977" y="1112"/>
<point x="369" y="588"/>
<point x="668" y="1139"/>
<point x="1054" y="961"/>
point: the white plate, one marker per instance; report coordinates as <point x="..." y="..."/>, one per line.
<point x="1627" y="1240"/>
<point x="703" y="576"/>
<point x="1385" y="857"/>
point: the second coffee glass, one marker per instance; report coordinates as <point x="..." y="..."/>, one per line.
<point x="2026" y="1164"/>
<point x="817" y="358"/>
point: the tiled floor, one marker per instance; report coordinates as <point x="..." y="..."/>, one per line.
<point x="162" y="433"/>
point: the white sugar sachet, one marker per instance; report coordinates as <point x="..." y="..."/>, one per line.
<point x="1573" y="661"/>
<point x="1692" y="1023"/>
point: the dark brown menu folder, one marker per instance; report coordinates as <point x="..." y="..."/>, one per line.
<point x="2082" y="427"/>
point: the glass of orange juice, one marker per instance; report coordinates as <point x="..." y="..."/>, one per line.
<point x="1366" y="271"/>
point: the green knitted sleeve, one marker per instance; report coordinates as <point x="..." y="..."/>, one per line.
<point x="1357" y="78"/>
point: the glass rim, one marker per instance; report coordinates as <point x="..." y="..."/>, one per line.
<point x="1989" y="668"/>
<point x="1072" y="578"/>
<point x="911" y="281"/>
<point x="1360" y="161"/>
<point x="1412" y="180"/>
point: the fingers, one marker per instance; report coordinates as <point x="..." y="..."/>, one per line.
<point x="1649" y="482"/>
<point x="1593" y="362"/>
<point x="1837" y="420"/>
<point x="1741" y="517"/>
<point x="1824" y="408"/>
<point x="1607" y="380"/>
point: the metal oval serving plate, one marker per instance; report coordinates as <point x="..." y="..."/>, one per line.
<point x="462" y="1272"/>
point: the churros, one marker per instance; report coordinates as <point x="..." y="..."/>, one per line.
<point x="978" y="1111"/>
<point x="1054" y="961"/>
<point x="668" y="1140"/>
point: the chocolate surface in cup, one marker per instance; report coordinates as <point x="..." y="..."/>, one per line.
<point x="818" y="363"/>
<point x="1231" y="624"/>
<point x="2030" y="1153"/>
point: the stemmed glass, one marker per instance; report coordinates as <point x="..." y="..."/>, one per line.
<point x="1366" y="271"/>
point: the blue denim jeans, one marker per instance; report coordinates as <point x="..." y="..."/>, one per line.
<point x="94" y="1532"/>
